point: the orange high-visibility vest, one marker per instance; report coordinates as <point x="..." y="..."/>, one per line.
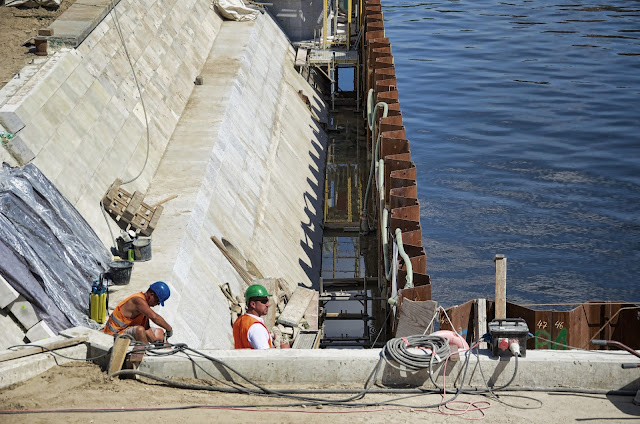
<point x="241" y="331"/>
<point x="117" y="322"/>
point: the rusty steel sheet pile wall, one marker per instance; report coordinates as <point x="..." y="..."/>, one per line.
<point x="560" y="330"/>
<point x="399" y="171"/>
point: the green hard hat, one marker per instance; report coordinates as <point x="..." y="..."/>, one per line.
<point x="255" y="290"/>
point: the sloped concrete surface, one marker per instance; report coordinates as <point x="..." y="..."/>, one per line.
<point x="80" y="113"/>
<point x="246" y="161"/>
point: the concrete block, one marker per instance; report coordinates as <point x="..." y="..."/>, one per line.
<point x="22" y="369"/>
<point x="40" y="331"/>
<point x="22" y="310"/>
<point x="98" y="344"/>
<point x="12" y="333"/>
<point x="45" y="32"/>
<point x="7" y="293"/>
<point x="20" y="148"/>
<point x="10" y="120"/>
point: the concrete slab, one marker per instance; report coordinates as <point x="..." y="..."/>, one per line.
<point x="541" y="369"/>
<point x="98" y="344"/>
<point x="22" y="310"/>
<point x="76" y="23"/>
<point x="11" y="331"/>
<point x="40" y="331"/>
<point x="21" y="369"/>
<point x="7" y="293"/>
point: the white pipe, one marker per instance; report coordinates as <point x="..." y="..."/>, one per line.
<point x="407" y="261"/>
<point x="385" y="243"/>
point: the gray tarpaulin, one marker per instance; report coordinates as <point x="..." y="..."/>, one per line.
<point x="48" y="252"/>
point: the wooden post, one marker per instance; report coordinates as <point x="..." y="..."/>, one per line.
<point x="481" y="321"/>
<point x="120" y="347"/>
<point x="501" y="286"/>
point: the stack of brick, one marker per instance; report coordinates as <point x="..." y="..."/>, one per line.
<point x="18" y="318"/>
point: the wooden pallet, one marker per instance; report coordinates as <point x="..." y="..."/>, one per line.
<point x="129" y="211"/>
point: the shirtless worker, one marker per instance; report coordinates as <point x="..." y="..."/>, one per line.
<point x="132" y="315"/>
<point x="249" y="331"/>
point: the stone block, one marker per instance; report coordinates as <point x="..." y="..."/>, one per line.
<point x="45" y="32"/>
<point x="39" y="331"/>
<point x="7" y="293"/>
<point x="10" y="120"/>
<point x="22" y="369"/>
<point x="22" y="310"/>
<point x="12" y="333"/>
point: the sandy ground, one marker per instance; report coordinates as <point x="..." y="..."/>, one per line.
<point x="17" y="26"/>
<point x="83" y="385"/>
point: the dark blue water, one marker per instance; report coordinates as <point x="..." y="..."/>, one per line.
<point x="524" y="123"/>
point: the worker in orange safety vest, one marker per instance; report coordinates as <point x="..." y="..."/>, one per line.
<point x="249" y="331"/>
<point x="132" y="315"/>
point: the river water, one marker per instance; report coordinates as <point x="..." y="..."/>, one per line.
<point x="524" y="123"/>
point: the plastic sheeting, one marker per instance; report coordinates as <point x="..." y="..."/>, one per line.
<point x="50" y="254"/>
<point x="236" y="10"/>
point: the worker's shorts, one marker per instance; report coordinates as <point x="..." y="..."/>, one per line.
<point x="131" y="331"/>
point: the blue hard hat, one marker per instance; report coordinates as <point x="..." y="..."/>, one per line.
<point x="161" y="289"/>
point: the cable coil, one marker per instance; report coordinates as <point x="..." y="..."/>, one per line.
<point x="432" y="349"/>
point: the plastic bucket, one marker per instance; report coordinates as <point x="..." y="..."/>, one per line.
<point x="142" y="249"/>
<point x="120" y="272"/>
<point x="123" y="247"/>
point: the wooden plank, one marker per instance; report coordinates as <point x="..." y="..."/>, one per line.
<point x="133" y="206"/>
<point x="349" y="283"/>
<point x="414" y="317"/>
<point x="32" y="350"/>
<point x="119" y="352"/>
<point x="341" y="227"/>
<point x="501" y="286"/>
<point x="163" y="201"/>
<point x="481" y="321"/>
<point x="295" y="309"/>
<point x="311" y="314"/>
<point x="301" y="57"/>
<point x="241" y="271"/>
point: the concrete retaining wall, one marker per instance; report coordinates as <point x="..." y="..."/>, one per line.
<point x="79" y="117"/>
<point x="243" y="152"/>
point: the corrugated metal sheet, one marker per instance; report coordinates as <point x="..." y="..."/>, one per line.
<point x="400" y="171"/>
<point x="562" y="330"/>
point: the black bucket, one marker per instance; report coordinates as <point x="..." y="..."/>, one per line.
<point x="120" y="272"/>
<point x="123" y="247"/>
<point x="142" y="249"/>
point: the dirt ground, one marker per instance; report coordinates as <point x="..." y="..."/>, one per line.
<point x="83" y="385"/>
<point x="17" y="26"/>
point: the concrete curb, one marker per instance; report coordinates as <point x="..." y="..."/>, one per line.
<point x="540" y="369"/>
<point x="22" y="369"/>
